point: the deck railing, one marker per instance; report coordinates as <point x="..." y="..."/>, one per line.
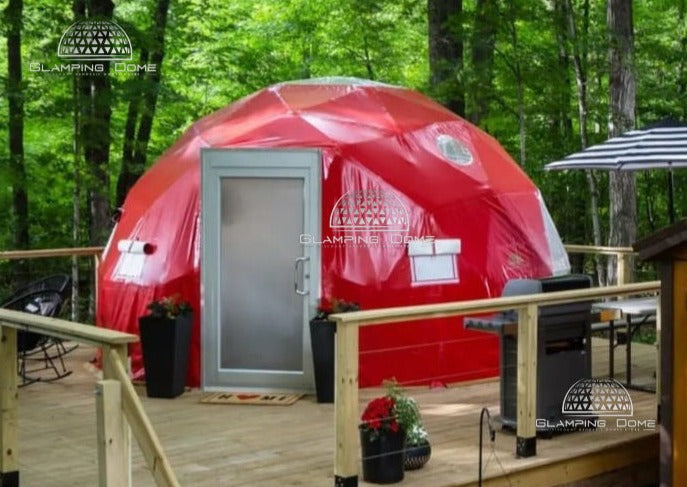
<point x="622" y="256"/>
<point x="346" y="374"/>
<point x="118" y="407"/>
<point x="116" y="394"/>
<point x="74" y="253"/>
<point x="44" y="253"/>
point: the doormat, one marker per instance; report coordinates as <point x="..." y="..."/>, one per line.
<point x="250" y="398"/>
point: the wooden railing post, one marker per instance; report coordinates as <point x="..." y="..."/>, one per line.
<point x="346" y="405"/>
<point x="526" y="445"/>
<point x="123" y="432"/>
<point x="112" y="432"/>
<point x="658" y="358"/>
<point x="9" y="467"/>
<point x="144" y="432"/>
<point x="96" y="270"/>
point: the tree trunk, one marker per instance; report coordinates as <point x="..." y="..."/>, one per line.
<point x="95" y="136"/>
<point x="368" y="59"/>
<point x="580" y="65"/>
<point x="141" y="113"/>
<point x="563" y="121"/>
<point x="150" y="95"/>
<point x="95" y="112"/>
<point x="682" y="69"/>
<point x="128" y="173"/>
<point x="522" y="130"/>
<point x="483" y="42"/>
<point x="623" y="197"/>
<point x="76" y="199"/>
<point x="15" y="96"/>
<point x="519" y="83"/>
<point x="649" y="201"/>
<point x="446" y="52"/>
<point x="78" y="9"/>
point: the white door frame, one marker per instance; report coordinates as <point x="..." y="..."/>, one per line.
<point x="217" y="164"/>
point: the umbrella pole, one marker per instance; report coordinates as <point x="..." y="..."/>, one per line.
<point x="671" y="196"/>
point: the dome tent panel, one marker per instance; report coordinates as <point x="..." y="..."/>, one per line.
<point x="454" y="182"/>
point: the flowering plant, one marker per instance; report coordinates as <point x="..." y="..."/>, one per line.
<point x="169" y="307"/>
<point x="408" y="414"/>
<point x="336" y="306"/>
<point x="379" y="417"/>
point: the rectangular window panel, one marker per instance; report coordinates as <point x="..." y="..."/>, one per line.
<point x="434" y="262"/>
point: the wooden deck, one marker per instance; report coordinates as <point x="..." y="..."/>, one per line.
<point x="226" y="445"/>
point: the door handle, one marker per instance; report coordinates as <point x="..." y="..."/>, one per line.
<point x="297" y="263"/>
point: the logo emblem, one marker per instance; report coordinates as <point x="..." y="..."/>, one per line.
<point x="95" y="40"/>
<point x="597" y="397"/>
<point x="378" y="210"/>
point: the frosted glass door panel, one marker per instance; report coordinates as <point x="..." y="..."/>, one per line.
<point x="261" y="318"/>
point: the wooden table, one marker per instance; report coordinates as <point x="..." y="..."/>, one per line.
<point x="636" y="308"/>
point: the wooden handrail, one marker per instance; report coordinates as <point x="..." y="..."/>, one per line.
<point x="591" y="249"/>
<point x="622" y="256"/>
<point x="67" y="252"/>
<point x="117" y="403"/>
<point x="95" y="252"/>
<point x="45" y="253"/>
<point x="457" y="308"/>
<point x="66" y="330"/>
<point x="346" y="404"/>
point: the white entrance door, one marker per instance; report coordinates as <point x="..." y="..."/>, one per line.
<point x="259" y="283"/>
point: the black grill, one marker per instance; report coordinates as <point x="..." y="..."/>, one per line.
<point x="563" y="346"/>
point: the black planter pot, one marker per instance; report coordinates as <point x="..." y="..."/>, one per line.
<point x="166" y="343"/>
<point x="322" y="343"/>
<point x="417" y="455"/>
<point x="383" y="457"/>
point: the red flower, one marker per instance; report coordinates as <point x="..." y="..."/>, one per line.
<point x="379" y="416"/>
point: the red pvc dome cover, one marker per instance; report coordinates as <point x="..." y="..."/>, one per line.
<point x="394" y="163"/>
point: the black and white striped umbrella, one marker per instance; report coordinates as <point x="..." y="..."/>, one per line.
<point x="659" y="146"/>
<point x="653" y="148"/>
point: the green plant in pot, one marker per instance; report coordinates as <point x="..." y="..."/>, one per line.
<point x="417" y="448"/>
<point x="322" y="331"/>
<point x="166" y="340"/>
<point x="336" y="306"/>
<point x="169" y="307"/>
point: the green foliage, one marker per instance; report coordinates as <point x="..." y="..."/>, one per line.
<point x="407" y="414"/>
<point x="645" y="335"/>
<point x="217" y="52"/>
<point x="169" y="307"/>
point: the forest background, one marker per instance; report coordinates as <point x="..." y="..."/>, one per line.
<point x="545" y="77"/>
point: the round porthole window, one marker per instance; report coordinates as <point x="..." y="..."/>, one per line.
<point x="454" y="150"/>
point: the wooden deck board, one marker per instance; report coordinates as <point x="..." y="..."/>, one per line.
<point x="250" y="445"/>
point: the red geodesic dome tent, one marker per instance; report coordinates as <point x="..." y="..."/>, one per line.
<point x="383" y="149"/>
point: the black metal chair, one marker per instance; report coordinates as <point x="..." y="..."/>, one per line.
<point x="38" y="352"/>
<point x="60" y="283"/>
